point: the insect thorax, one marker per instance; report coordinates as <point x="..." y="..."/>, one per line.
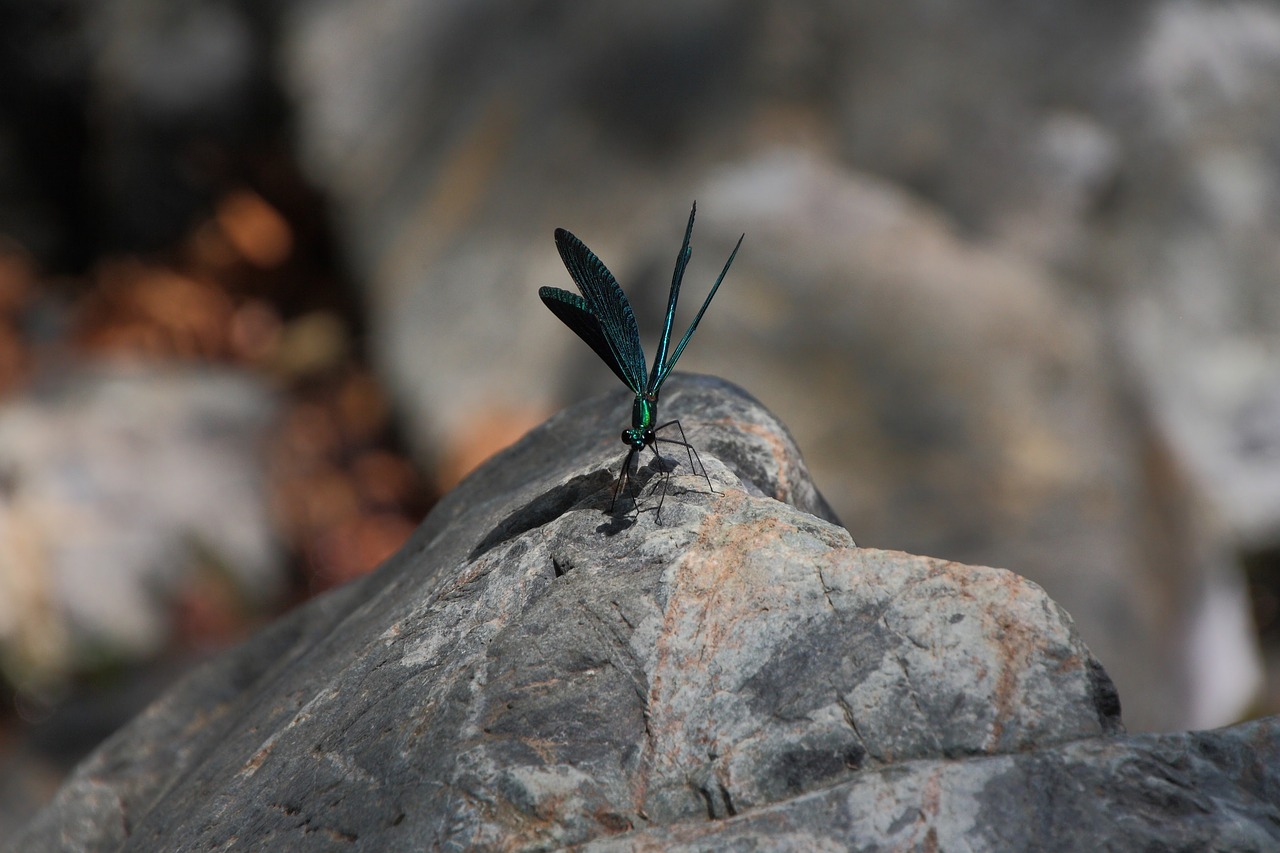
<point x="643" y="414"/>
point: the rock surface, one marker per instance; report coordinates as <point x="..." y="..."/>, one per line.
<point x="530" y="671"/>
<point x="1189" y="791"/>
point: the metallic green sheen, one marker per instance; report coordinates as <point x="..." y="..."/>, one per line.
<point x="642" y="415"/>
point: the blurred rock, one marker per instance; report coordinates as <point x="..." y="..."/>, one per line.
<point x="997" y="114"/>
<point x="1134" y="146"/>
<point x="122" y="487"/>
<point x="1200" y="308"/>
<point x="580" y="674"/>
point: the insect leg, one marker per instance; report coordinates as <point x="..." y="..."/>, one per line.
<point x="692" y="451"/>
<point x="624" y="476"/>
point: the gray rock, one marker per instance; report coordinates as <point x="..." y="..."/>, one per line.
<point x="1189" y="791"/>
<point x="530" y="671"/>
<point x="1199" y="309"/>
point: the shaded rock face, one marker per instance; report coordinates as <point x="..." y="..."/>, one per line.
<point x="531" y="671"/>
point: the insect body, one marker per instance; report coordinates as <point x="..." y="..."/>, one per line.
<point x="603" y="318"/>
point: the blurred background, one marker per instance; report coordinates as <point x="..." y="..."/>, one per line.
<point x="268" y="277"/>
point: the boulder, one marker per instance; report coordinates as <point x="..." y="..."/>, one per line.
<point x="700" y="668"/>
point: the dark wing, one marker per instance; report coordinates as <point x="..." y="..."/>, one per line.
<point x="660" y="368"/>
<point x="606" y="302"/>
<point x="573" y="312"/>
<point x="675" y="356"/>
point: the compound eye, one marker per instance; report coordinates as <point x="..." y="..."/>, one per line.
<point x="626" y="436"/>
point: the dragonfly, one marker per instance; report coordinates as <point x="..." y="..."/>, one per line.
<point x="603" y="319"/>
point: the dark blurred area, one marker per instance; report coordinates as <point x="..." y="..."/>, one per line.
<point x="268" y="280"/>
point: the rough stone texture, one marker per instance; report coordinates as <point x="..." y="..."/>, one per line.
<point x="530" y="672"/>
<point x="1189" y="791"/>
